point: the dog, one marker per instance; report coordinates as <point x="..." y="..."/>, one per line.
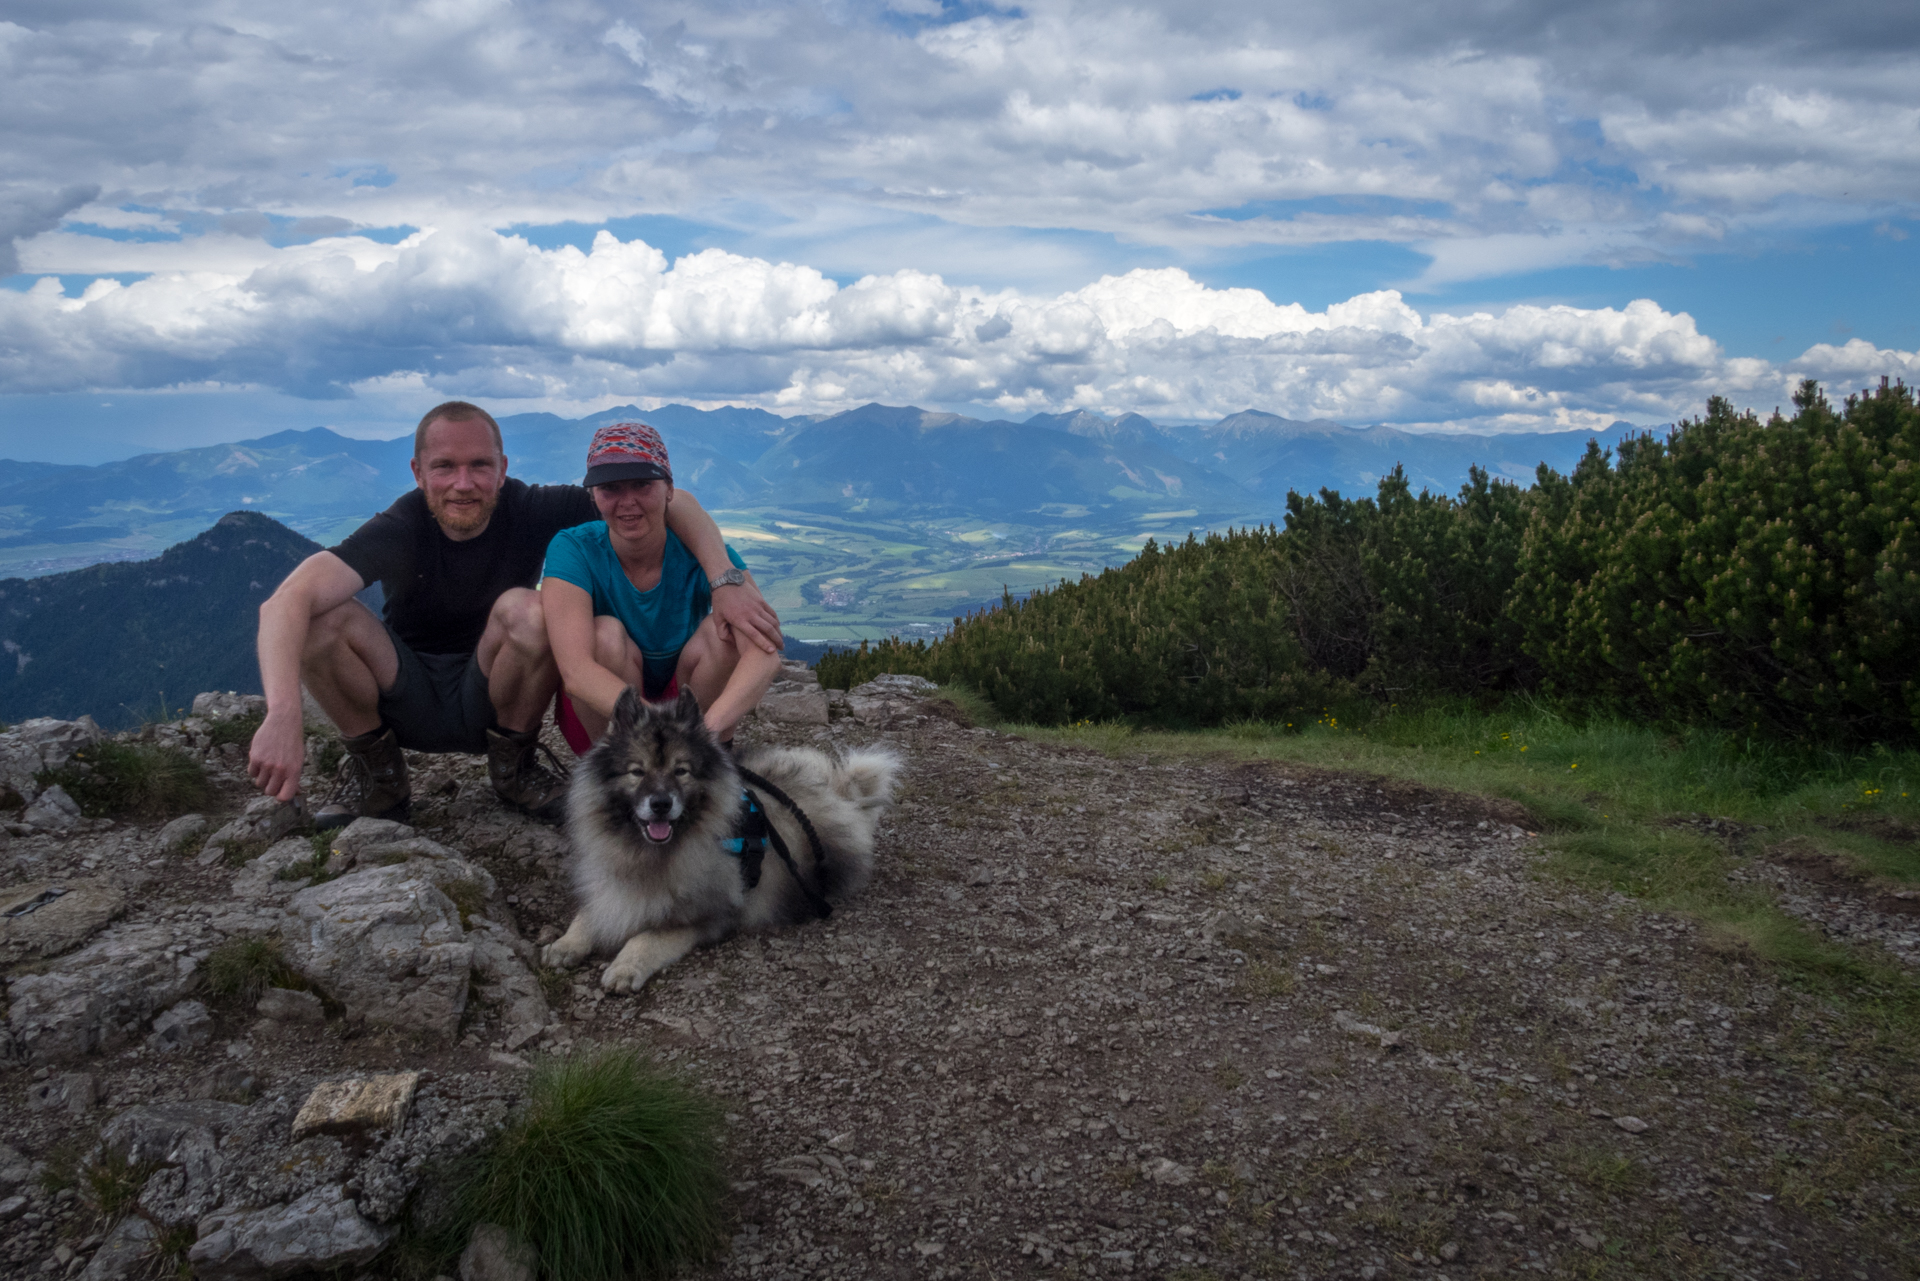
<point x="648" y="814"/>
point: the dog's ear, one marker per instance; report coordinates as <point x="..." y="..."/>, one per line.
<point x="626" y="713"/>
<point x="688" y="708"/>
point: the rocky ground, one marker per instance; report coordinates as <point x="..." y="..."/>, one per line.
<point x="1094" y="1017"/>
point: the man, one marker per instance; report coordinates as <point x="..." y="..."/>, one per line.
<point x="461" y="661"/>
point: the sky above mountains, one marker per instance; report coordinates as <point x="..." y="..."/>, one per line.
<point x="219" y="218"/>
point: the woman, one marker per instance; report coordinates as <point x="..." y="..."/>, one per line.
<point x="628" y="605"/>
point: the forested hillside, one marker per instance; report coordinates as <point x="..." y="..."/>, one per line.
<point x="1757" y="576"/>
<point x="120" y="641"/>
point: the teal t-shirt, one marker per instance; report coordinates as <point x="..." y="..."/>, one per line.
<point x="660" y="621"/>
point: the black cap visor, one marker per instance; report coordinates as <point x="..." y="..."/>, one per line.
<point x="607" y="473"/>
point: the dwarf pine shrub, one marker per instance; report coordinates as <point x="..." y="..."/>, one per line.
<point x="1737" y="574"/>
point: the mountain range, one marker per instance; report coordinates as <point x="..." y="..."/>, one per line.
<point x="874" y="462"/>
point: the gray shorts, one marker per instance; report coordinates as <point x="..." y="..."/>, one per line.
<point x="438" y="702"/>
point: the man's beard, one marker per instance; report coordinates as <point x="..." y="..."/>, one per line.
<point x="462" y="520"/>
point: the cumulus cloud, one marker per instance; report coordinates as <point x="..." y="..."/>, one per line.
<point x="465" y="310"/>
<point x="1597" y="131"/>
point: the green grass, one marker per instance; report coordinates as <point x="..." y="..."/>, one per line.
<point x="239" y="729"/>
<point x="242" y="969"/>
<point x="131" y="780"/>
<point x="611" y="1169"/>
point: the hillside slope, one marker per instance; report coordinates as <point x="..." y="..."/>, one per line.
<point x="120" y="640"/>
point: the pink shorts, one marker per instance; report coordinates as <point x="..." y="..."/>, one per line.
<point x="569" y="720"/>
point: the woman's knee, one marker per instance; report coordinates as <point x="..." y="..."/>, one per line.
<point x="613" y="649"/>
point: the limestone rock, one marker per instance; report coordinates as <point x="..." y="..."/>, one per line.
<point x="216" y="706"/>
<point x="184" y="1141"/>
<point x="791" y="703"/>
<point x="76" y="1092"/>
<point x="503" y="979"/>
<point x="385" y="943"/>
<point x="186" y="1026"/>
<point x="181" y="833"/>
<point x="363" y="832"/>
<point x="357" y="1105"/>
<point x="101" y="996"/>
<point x="888" y="700"/>
<point x="15" y="1169"/>
<point x="46" y="918"/>
<point x="56" y="741"/>
<point x="264" y="821"/>
<point x="126" y="1253"/>
<point x="792" y="669"/>
<point x="19" y="762"/>
<point x="321" y="1231"/>
<point x="262" y="877"/>
<point x="495" y="1254"/>
<point x="285" y="1005"/>
<point x="53" y="811"/>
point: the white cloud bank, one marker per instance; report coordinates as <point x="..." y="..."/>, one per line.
<point x="475" y="313"/>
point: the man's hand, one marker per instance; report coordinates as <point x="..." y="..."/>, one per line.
<point x="279" y="750"/>
<point x="743" y="613"/>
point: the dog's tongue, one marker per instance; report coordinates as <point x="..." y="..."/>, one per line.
<point x="659" y="831"/>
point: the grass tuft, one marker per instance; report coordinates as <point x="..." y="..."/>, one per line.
<point x="242" y="969"/>
<point x="239" y="729"/>
<point x="131" y="780"/>
<point x="611" y="1169"/>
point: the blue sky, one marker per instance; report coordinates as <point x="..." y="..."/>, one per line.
<point x="220" y="220"/>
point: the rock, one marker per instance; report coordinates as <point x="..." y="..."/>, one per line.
<point x="504" y="980"/>
<point x="263" y="877"/>
<point x="385" y="943"/>
<point x="19" y="763"/>
<point x="46" y="918"/>
<point x="285" y="1005"/>
<point x="227" y="1082"/>
<point x="495" y="1254"/>
<point x="792" y="669"/>
<point x="77" y="1092"/>
<point x="1632" y="1124"/>
<point x="791" y="703"/>
<point x="187" y="1026"/>
<point x="226" y="706"/>
<point x="52" y="811"/>
<point x="363" y="832"/>
<point x="101" y="996"/>
<point x="887" y="700"/>
<point x="1167" y="1172"/>
<point x="183" y="1140"/>
<point x="321" y="1231"/>
<point x="126" y="1253"/>
<point x="358" y="1105"/>
<point x="263" y="822"/>
<point x="12" y="1208"/>
<point x="1346" y="1022"/>
<point x="15" y="1169"/>
<point x="181" y="834"/>
<point x="56" y="741"/>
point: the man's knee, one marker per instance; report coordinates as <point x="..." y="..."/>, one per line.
<point x="519" y="615"/>
<point x="331" y="630"/>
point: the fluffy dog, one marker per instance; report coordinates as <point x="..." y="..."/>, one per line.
<point x="648" y="814"/>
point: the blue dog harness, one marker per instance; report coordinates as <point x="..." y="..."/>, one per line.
<point x="749" y="842"/>
<point x="755" y="833"/>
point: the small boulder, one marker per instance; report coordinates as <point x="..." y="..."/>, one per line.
<point x="357" y="1105"/>
<point x="217" y="706"/>
<point x="286" y="1005"/>
<point x="181" y="834"/>
<point x="320" y="1232"/>
<point x="76" y="1092"/>
<point x="263" y="822"/>
<point x="791" y="703"/>
<point x="53" y="811"/>
<point x="101" y="996"/>
<point x="387" y="945"/>
<point x="127" y="1252"/>
<point x="186" y="1026"/>
<point x="495" y="1254"/>
<point x="56" y="741"/>
<point x="267" y="876"/>
<point x="46" y="918"/>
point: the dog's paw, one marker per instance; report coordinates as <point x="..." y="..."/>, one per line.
<point x="562" y="955"/>
<point x="625" y="976"/>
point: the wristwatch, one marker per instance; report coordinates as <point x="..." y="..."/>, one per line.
<point x="732" y="578"/>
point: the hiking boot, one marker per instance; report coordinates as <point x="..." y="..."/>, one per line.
<point x="371" y="782"/>
<point x="526" y="774"/>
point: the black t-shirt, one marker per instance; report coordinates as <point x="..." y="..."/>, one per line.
<point x="439" y="592"/>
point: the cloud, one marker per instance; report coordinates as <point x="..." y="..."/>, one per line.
<point x="1604" y="131"/>
<point x="464" y="310"/>
<point x="25" y="211"/>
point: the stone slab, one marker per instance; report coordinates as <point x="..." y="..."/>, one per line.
<point x="357" y="1105"/>
<point x="46" y="918"/>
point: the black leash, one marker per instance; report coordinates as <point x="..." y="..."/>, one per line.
<point x="819" y="900"/>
